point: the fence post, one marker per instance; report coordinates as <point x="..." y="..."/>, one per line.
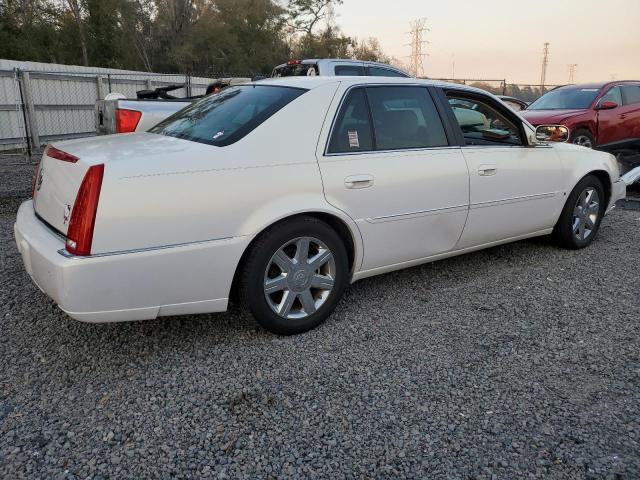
<point x="149" y="84"/>
<point x="30" y="110"/>
<point x="187" y="79"/>
<point x="100" y="87"/>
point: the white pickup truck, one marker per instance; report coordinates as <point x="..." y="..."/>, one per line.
<point x="118" y="114"/>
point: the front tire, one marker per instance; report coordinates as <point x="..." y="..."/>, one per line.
<point x="583" y="138"/>
<point x="294" y="275"/>
<point x="580" y="219"/>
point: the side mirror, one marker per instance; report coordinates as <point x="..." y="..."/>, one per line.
<point x="552" y="133"/>
<point x="608" y="105"/>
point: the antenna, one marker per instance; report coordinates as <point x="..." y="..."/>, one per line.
<point x="572" y="72"/>
<point x="416" y="66"/>
<point x="545" y="62"/>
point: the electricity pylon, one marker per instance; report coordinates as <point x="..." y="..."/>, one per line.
<point x="416" y="66"/>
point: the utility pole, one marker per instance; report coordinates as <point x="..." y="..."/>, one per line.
<point x="572" y="72"/>
<point x="416" y="66"/>
<point x="545" y="62"/>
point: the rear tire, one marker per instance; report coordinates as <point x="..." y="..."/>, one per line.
<point x="294" y="275"/>
<point x="580" y="219"/>
<point x="583" y="137"/>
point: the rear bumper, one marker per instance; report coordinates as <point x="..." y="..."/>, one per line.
<point x="139" y="285"/>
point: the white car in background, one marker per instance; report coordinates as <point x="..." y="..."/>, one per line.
<point x="282" y="192"/>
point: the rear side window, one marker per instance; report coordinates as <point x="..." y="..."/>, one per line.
<point x="631" y="94"/>
<point x="349" y="70"/>
<point x="224" y="118"/>
<point x="384" y="72"/>
<point x="352" y="131"/>
<point x="405" y="117"/>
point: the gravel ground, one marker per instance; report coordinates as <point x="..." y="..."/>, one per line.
<point x="521" y="361"/>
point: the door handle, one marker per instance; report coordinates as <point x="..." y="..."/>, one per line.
<point x="358" y="181"/>
<point x="623" y="116"/>
<point x="487" y="170"/>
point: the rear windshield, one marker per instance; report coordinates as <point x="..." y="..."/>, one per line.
<point x="296" y="70"/>
<point x="225" y="117"/>
<point x="566" y="99"/>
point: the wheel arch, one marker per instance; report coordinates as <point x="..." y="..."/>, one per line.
<point x="347" y="231"/>
<point x="604" y="177"/>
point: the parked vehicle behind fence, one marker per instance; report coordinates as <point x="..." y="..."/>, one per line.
<point x="118" y="114"/>
<point x="280" y="193"/>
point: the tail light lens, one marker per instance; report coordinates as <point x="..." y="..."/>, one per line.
<point x="53" y="152"/>
<point x="35" y="180"/>
<point x="83" y="215"/>
<point x="127" y="120"/>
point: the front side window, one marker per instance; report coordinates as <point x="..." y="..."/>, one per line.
<point x="613" y="95"/>
<point x="224" y="118"/>
<point x="483" y="124"/>
<point x="405" y="117"/>
<point x="349" y="71"/>
<point x="631" y="94"/>
<point x="384" y="72"/>
<point x="352" y="131"/>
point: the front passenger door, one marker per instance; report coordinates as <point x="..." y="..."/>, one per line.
<point x="389" y="166"/>
<point x="515" y="189"/>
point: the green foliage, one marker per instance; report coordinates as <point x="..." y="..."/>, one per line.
<point x="200" y="36"/>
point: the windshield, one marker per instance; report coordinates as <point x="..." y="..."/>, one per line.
<point x="224" y="118"/>
<point x="296" y="70"/>
<point x="566" y="99"/>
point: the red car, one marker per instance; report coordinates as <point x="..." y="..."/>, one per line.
<point x="599" y="115"/>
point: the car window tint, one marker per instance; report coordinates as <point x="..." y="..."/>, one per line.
<point x="352" y="130"/>
<point x="482" y="123"/>
<point x="631" y="94"/>
<point x="349" y="70"/>
<point x="384" y="72"/>
<point x="405" y="117"/>
<point x="224" y="118"/>
<point x="613" y="95"/>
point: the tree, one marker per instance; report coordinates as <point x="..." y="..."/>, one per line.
<point x="369" y="49"/>
<point x="305" y="15"/>
<point x="77" y="12"/>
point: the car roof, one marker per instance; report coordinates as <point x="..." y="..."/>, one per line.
<point x="599" y="85"/>
<point x="308" y="61"/>
<point x="313" y="82"/>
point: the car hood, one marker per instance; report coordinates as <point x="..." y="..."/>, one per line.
<point x="541" y="117"/>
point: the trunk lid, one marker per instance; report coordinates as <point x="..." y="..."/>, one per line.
<point x="58" y="182"/>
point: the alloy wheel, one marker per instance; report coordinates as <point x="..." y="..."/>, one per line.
<point x="583" y="141"/>
<point x="585" y="214"/>
<point x="299" y="278"/>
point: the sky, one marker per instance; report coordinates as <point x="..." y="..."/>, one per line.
<point x="496" y="39"/>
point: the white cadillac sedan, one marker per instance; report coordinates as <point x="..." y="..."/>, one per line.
<point x="281" y="192"/>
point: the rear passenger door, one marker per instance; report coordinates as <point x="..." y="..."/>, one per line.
<point x="630" y="113"/>
<point x="387" y="163"/>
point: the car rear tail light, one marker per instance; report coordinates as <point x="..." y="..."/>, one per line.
<point x="83" y="215"/>
<point x="35" y="180"/>
<point x="294" y="62"/>
<point x="53" y="152"/>
<point x="127" y="120"/>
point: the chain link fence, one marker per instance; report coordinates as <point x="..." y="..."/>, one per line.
<point x="525" y="92"/>
<point x="40" y="106"/>
<point x="37" y="107"/>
